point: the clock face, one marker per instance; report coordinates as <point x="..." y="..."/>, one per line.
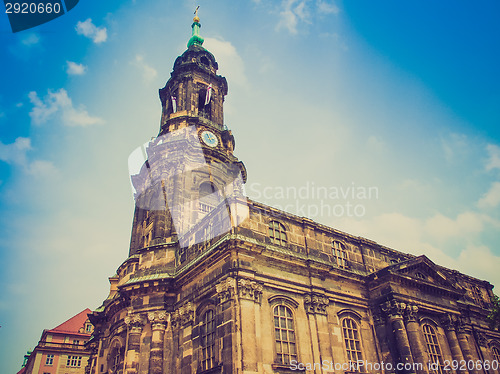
<point x="209" y="138"/>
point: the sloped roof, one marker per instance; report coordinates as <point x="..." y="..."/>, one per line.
<point x="74" y="324"/>
<point x="21" y="371"/>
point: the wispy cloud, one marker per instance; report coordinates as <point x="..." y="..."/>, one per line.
<point x="490" y="199"/>
<point x="91" y="31"/>
<point x="148" y="73"/>
<point x="324" y="7"/>
<point x="292" y="12"/>
<point x="30" y="39"/>
<point x="59" y="104"/>
<point x="494" y="157"/>
<point x="231" y="63"/>
<point x="75" y="69"/>
<point x="15" y="153"/>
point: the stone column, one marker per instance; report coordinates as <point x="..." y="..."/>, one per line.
<point x="449" y="323"/>
<point x="415" y="338"/>
<point x="394" y="312"/>
<point x="315" y="305"/>
<point x="182" y="320"/>
<point x="135" y="323"/>
<point x="158" y="321"/>
<point x="463" y="341"/>
<point x="249" y="294"/>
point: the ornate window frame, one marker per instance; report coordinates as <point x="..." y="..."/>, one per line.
<point x="116" y="356"/>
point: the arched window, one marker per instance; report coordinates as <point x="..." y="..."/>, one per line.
<point x="208" y="197"/>
<point x="204" y="107"/>
<point x="115" y="360"/>
<point x="277" y="233"/>
<point x="352" y="340"/>
<point x="207" y="338"/>
<point x="432" y="346"/>
<point x="284" y="333"/>
<point x="339" y="254"/>
<point x="496" y="353"/>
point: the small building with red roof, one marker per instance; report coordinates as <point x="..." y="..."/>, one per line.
<point x="62" y="349"/>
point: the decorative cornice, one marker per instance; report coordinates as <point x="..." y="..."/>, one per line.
<point x="316" y="303"/>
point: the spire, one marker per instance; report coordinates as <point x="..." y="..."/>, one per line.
<point x="196" y="38"/>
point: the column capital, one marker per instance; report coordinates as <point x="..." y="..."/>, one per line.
<point x="410" y="313"/>
<point x="158" y="319"/>
<point x="135" y="320"/>
<point x="449" y="321"/>
<point x="226" y="289"/>
<point x="250" y="290"/>
<point x="316" y="303"/>
<point x="183" y="315"/>
<point x="393" y="308"/>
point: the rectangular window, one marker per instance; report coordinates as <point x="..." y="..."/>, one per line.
<point x="49" y="360"/>
<point x="74" y="361"/>
<point x="76" y="342"/>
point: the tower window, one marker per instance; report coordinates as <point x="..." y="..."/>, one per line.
<point x="286" y="349"/>
<point x="352" y="340"/>
<point x="204" y="107"/>
<point x="207" y="336"/>
<point x="432" y="346"/>
<point x="49" y="360"/>
<point x="277" y="233"/>
<point x="204" y="61"/>
<point x="209" y="199"/>
<point x="339" y="254"/>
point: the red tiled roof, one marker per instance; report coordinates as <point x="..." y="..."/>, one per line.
<point x="21" y="371"/>
<point x="74" y="324"/>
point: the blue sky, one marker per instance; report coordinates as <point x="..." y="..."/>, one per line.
<point x="403" y="97"/>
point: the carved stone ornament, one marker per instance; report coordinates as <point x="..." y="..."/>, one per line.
<point x="481" y="338"/>
<point x="183" y="316"/>
<point x="135" y="320"/>
<point x="449" y="321"/>
<point x="393" y="308"/>
<point x="316" y="303"/>
<point x="226" y="289"/>
<point x="250" y="290"/>
<point x="410" y="313"/>
<point x="158" y="319"/>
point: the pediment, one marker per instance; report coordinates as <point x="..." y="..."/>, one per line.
<point x="421" y="269"/>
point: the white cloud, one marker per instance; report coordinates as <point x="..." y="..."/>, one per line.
<point x="148" y="73"/>
<point x="91" y="31"/>
<point x="232" y="65"/>
<point x="443" y="228"/>
<point x="288" y="19"/>
<point x="15" y="153"/>
<point x="30" y="39"/>
<point x="494" y="157"/>
<point x="75" y="69"/>
<point x="59" y="104"/>
<point x="490" y="199"/>
<point x="454" y="145"/>
<point x="325" y="7"/>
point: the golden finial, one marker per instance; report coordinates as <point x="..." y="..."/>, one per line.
<point x="196" y="18"/>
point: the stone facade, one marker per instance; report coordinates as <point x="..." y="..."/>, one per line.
<point x="274" y="293"/>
